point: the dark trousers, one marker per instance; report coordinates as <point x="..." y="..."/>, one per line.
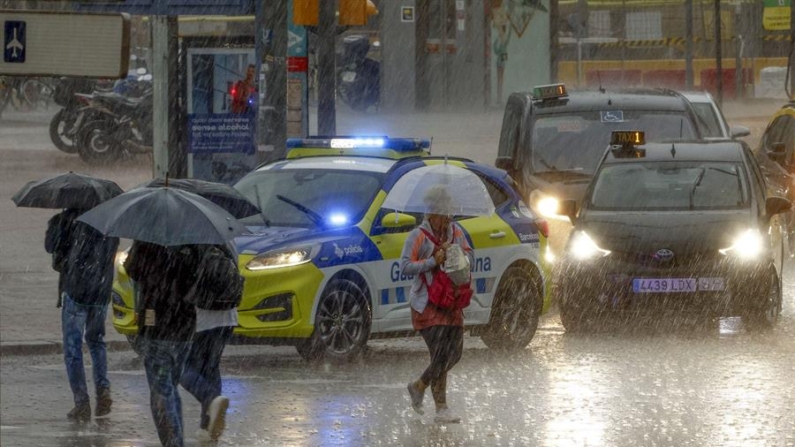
<point x="202" y="373"/>
<point x="445" y="344"/>
<point x="163" y="363"/>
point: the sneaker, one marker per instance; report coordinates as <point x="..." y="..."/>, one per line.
<point x="80" y="413"/>
<point x="416" y="398"/>
<point x="217" y="413"/>
<point x="103" y="402"/>
<point x="445" y="416"/>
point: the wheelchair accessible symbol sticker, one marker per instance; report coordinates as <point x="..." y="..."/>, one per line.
<point x="612" y="116"/>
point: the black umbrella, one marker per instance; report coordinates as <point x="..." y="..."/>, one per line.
<point x="164" y="216"/>
<point x="220" y="194"/>
<point x="68" y="190"/>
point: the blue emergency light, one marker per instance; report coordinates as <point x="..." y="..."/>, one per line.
<point x="374" y="146"/>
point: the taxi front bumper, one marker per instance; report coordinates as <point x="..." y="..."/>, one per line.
<point x="724" y="287"/>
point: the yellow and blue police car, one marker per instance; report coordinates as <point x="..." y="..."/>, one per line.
<point x="321" y="264"/>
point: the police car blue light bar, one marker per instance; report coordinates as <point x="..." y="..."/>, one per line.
<point x="359" y="142"/>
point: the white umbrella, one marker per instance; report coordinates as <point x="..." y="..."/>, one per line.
<point x="467" y="193"/>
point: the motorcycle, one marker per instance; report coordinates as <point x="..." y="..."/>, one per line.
<point x="121" y="127"/>
<point x="359" y="76"/>
<point x="71" y="94"/>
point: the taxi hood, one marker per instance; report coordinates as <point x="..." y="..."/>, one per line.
<point x="681" y="231"/>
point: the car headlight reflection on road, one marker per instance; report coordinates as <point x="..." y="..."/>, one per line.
<point x="582" y="247"/>
<point x="281" y="258"/>
<point x="748" y="245"/>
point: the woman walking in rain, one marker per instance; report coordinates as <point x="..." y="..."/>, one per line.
<point x="442" y="329"/>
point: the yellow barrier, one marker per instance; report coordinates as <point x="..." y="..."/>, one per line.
<point x="567" y="70"/>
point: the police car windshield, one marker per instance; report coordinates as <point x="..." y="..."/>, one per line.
<point x="670" y="186"/>
<point x="575" y="142"/>
<point x="311" y="197"/>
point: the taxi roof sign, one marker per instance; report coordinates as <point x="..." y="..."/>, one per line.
<point x="370" y="146"/>
<point x="550" y="91"/>
<point x="627" y="138"/>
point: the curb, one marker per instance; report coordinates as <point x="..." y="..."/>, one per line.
<point x="52" y="347"/>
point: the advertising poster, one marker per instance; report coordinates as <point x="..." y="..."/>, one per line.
<point x="222" y="113"/>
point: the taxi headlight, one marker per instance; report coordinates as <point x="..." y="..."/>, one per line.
<point x="748" y="245"/>
<point x="544" y="204"/>
<point x="288" y="257"/>
<point x="582" y="247"/>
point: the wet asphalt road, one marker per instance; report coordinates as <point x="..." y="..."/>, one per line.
<point x="654" y="385"/>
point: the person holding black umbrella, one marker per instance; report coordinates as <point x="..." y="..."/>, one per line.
<point x="169" y="228"/>
<point x="84" y="258"/>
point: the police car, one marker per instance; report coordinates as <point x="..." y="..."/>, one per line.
<point x="673" y="227"/>
<point x="322" y="267"/>
<point x="552" y="139"/>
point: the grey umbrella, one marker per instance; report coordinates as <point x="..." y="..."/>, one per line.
<point x="68" y="190"/>
<point x="220" y="194"/>
<point x="164" y="216"/>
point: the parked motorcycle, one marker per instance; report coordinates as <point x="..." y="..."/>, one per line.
<point x="72" y="95"/>
<point x="120" y="128"/>
<point x="359" y="76"/>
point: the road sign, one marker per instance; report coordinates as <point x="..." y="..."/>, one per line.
<point x="38" y="43"/>
<point x="14" y="42"/>
<point x="776" y="15"/>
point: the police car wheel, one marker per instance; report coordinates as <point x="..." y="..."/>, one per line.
<point x="516" y="310"/>
<point x="342" y="324"/>
<point x="765" y="316"/>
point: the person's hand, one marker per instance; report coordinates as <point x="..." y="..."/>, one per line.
<point x="440" y="256"/>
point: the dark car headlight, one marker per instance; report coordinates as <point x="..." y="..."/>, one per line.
<point x="583" y="248"/>
<point x="747" y="245"/>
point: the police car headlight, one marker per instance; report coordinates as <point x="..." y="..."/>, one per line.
<point x="281" y="258"/>
<point x="121" y="256"/>
<point x="582" y="247"/>
<point x="748" y="245"/>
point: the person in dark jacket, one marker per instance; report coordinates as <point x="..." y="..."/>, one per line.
<point x="84" y="258"/>
<point x="166" y="323"/>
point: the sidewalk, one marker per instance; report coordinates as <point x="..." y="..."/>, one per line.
<point x="29" y="320"/>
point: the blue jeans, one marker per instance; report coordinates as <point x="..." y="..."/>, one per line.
<point x="77" y="319"/>
<point x="163" y="362"/>
<point x="202" y="375"/>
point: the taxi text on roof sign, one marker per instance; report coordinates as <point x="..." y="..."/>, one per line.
<point x="627" y="138"/>
<point x="550" y="91"/>
<point x="377" y="146"/>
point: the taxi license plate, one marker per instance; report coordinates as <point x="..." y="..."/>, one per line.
<point x="677" y="285"/>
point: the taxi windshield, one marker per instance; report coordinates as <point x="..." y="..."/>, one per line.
<point x="671" y="186"/>
<point x="575" y="142"/>
<point x="311" y="197"/>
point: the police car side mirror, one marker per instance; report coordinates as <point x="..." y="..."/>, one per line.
<point x="777" y="151"/>
<point x="739" y="131"/>
<point x="398" y="220"/>
<point x="568" y="208"/>
<point x="777" y="205"/>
